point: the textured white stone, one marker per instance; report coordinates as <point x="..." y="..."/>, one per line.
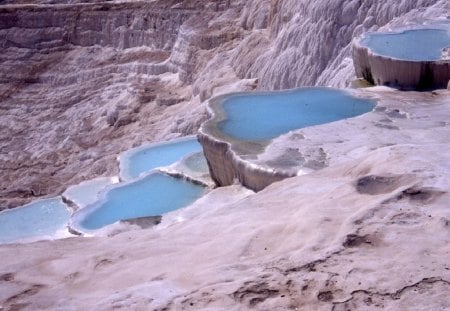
<point x="311" y="242"/>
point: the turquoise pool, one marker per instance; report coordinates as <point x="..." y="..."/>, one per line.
<point x="137" y="161"/>
<point x="152" y="195"/>
<point x="88" y="191"/>
<point x="263" y="116"/>
<point x="196" y="162"/>
<point x="39" y="219"/>
<point x="412" y="45"/>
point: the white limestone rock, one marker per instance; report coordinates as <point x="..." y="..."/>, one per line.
<point x="368" y="231"/>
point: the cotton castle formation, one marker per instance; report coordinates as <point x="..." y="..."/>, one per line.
<point x="366" y="228"/>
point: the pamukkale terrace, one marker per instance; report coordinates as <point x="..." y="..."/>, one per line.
<point x="224" y="155"/>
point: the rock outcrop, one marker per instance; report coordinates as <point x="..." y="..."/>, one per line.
<point x="80" y="83"/>
<point x="227" y="167"/>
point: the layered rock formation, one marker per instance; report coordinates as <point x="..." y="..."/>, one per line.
<point x="368" y="231"/>
<point x="96" y="78"/>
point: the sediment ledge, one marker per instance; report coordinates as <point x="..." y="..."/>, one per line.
<point x="232" y="160"/>
<point x="226" y="156"/>
<point x="403" y="74"/>
<point x="226" y="167"/>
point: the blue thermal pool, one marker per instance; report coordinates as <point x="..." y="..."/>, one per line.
<point x="263" y="116"/>
<point x="152" y="195"/>
<point x="42" y="218"/>
<point x="88" y="192"/>
<point x="196" y="162"/>
<point x="143" y="159"/>
<point x="413" y="45"/>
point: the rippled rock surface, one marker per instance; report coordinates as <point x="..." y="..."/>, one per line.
<point x="369" y="230"/>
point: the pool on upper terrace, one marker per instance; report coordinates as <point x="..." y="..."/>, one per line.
<point x="148" y="189"/>
<point x="137" y="161"/>
<point x="263" y="116"/>
<point x="423" y="44"/>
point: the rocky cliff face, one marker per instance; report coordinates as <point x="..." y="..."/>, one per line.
<point x="96" y="78"/>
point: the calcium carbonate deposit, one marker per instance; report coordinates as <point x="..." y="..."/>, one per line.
<point x="363" y="222"/>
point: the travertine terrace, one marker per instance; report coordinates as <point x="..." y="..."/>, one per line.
<point x="231" y="159"/>
<point x="97" y="78"/>
<point x="405" y="74"/>
<point x="366" y="229"/>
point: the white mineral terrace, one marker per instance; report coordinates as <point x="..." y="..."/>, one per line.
<point x="363" y="224"/>
<point x="413" y="57"/>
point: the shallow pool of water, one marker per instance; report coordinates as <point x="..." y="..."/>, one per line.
<point x="151" y="195"/>
<point x="88" y="191"/>
<point x="42" y="218"/>
<point x="263" y="116"/>
<point x="413" y="45"/>
<point x="137" y="161"/>
<point x="196" y="162"/>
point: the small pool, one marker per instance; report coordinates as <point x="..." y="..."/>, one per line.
<point x="39" y="219"/>
<point x="196" y="162"/>
<point x="152" y="195"/>
<point x="412" y="45"/>
<point x="137" y="161"/>
<point x="263" y="116"/>
<point x="88" y="191"/>
<point x="193" y="167"/>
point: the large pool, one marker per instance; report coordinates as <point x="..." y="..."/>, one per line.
<point x="413" y="45"/>
<point x="151" y="195"/>
<point x="39" y="219"/>
<point x="137" y="161"/>
<point x="263" y="116"/>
